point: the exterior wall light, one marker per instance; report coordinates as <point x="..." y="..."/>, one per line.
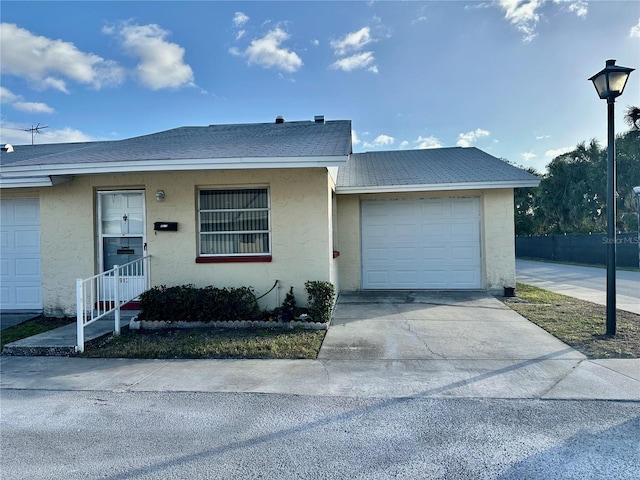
<point x="160" y="195"/>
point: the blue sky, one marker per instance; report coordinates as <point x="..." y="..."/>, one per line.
<point x="506" y="76"/>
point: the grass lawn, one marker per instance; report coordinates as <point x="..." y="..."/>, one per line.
<point x="578" y="323"/>
<point x="32" y="327"/>
<point x="209" y="343"/>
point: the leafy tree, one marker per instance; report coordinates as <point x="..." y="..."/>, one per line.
<point x="525" y="207"/>
<point x="628" y="167"/>
<point x="632" y="117"/>
<point x="572" y="197"/>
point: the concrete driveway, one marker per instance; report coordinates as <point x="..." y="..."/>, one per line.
<point x="462" y="325"/>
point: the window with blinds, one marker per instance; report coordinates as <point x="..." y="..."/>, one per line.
<point x="234" y="222"/>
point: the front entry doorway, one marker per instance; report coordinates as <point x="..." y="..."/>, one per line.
<point x="121" y="237"/>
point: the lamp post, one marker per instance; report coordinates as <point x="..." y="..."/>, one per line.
<point x="636" y="193"/>
<point x="610" y="83"/>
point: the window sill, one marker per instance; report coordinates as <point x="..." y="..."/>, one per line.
<point x="234" y="259"/>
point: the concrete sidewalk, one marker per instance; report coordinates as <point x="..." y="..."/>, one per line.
<point x="63" y="340"/>
<point x="435" y="344"/>
<point x="582" y="282"/>
<point x="539" y="378"/>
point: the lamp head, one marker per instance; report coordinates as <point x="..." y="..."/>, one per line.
<point x="610" y="81"/>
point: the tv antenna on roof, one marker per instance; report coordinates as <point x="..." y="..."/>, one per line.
<point x="35" y="129"/>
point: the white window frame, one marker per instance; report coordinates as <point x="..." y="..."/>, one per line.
<point x="240" y="232"/>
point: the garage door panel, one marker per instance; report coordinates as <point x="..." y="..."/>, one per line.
<point x="406" y="278"/>
<point x="434" y="253"/>
<point x="463" y="206"/>
<point x="465" y="278"/>
<point x="405" y="254"/>
<point x="378" y="231"/>
<point x="433" y="208"/>
<point x="20" y="266"/>
<point x="27" y="267"/>
<point x="434" y="231"/>
<point x="27" y="236"/>
<point x="467" y="254"/>
<point x="437" y="248"/>
<point x="5" y="295"/>
<point x="377" y="278"/>
<point x="462" y="231"/>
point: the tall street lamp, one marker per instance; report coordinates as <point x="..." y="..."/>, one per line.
<point x="610" y="83"/>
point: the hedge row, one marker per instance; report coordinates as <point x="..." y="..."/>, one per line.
<point x="210" y="304"/>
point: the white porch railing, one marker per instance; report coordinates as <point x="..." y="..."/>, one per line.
<point x="106" y="292"/>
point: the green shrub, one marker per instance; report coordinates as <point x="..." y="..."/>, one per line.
<point x="320" y="298"/>
<point x="190" y="304"/>
<point x="289" y="307"/>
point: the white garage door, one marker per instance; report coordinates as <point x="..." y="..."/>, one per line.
<point x="20" y="277"/>
<point x="420" y="243"/>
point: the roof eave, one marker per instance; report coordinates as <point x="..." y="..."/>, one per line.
<point x="435" y="187"/>
<point x="32" y="181"/>
<point x="175" y="165"/>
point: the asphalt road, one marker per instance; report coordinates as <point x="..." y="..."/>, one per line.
<point x="586" y="283"/>
<point x="142" y="435"/>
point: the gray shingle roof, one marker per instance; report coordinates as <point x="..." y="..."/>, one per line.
<point x="255" y="140"/>
<point x="429" y="167"/>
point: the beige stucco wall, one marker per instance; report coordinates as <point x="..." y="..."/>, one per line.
<point x="498" y="240"/>
<point x="300" y="225"/>
<point x="497" y="235"/>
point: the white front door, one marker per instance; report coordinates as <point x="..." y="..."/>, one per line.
<point x="121" y="235"/>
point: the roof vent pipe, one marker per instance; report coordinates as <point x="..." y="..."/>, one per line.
<point x="279" y="119"/>
<point x="318" y="119"/>
<point x="6" y="147"/>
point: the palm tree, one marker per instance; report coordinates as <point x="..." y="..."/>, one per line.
<point x="632" y="117"/>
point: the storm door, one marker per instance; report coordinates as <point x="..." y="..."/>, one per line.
<point x="121" y="238"/>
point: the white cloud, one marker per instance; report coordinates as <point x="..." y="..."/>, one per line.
<point x="427" y="142"/>
<point x="240" y="34"/>
<point x="16" y="135"/>
<point x="315" y="42"/>
<point x="528" y="156"/>
<point x="580" y="7"/>
<point x="48" y="63"/>
<point x="359" y="61"/>
<point x="558" y="151"/>
<point x="418" y="20"/>
<point x="523" y="15"/>
<point x="404" y="144"/>
<point x="161" y="63"/>
<point x="469" y="138"/>
<point x="240" y="19"/>
<point x="380" y="141"/>
<point x="542" y="137"/>
<point x="354" y="138"/>
<point x="634" y="32"/>
<point x="7" y="96"/>
<point x="67" y="135"/>
<point x="352" y="42"/>
<point x="33" y="107"/>
<point x="269" y="53"/>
